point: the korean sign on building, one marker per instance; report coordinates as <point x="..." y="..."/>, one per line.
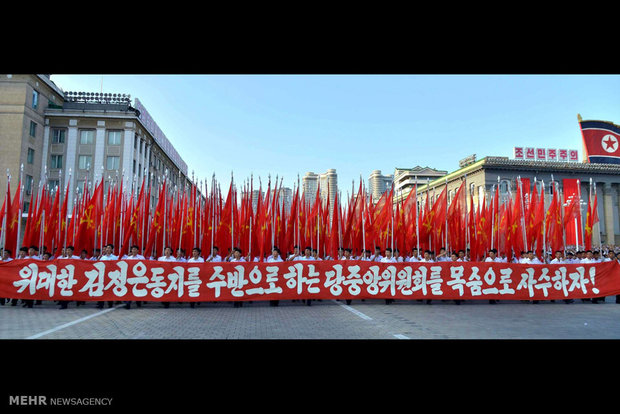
<point x="546" y="154"/>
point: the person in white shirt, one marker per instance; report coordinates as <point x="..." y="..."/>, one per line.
<point x="462" y="257"/>
<point x="181" y="255"/>
<point x="377" y="256"/>
<point x="347" y="254"/>
<point x="167" y="257"/>
<point x="492" y="257"/>
<point x="415" y="257"/>
<point x="442" y="256"/>
<point x="532" y="258"/>
<point x="307" y="254"/>
<point x="454" y="257"/>
<point x="365" y="256"/>
<point x="315" y="254"/>
<point x="388" y="256"/>
<point x="237" y="255"/>
<point x="69" y="254"/>
<point x="134" y="254"/>
<point x="275" y="256"/>
<point x="427" y="257"/>
<point x="558" y="258"/>
<point x="295" y="255"/>
<point x="196" y="258"/>
<point x="108" y="253"/>
<point x="33" y="253"/>
<point x="589" y="257"/>
<point x="6" y="255"/>
<point x="214" y="257"/>
<point x="611" y="256"/>
<point x="96" y="254"/>
<point x="397" y="256"/>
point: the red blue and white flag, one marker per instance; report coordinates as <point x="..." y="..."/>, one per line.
<point x="601" y="141"/>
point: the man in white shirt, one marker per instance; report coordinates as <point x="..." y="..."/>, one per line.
<point x="589" y="257"/>
<point x="492" y="257"/>
<point x="347" y="255"/>
<point x="275" y="256"/>
<point x="33" y="253"/>
<point x="415" y="257"/>
<point x="69" y="254"/>
<point x="307" y="254"/>
<point x="365" y="256"/>
<point x="6" y="255"/>
<point x="427" y="257"/>
<point x="181" y="256"/>
<point x="214" y="257"/>
<point x="442" y="256"/>
<point x="96" y="254"/>
<point x="532" y="259"/>
<point x="558" y="258"/>
<point x="196" y="258"/>
<point x="295" y="255"/>
<point x="377" y="256"/>
<point x="134" y="254"/>
<point x="108" y="253"/>
<point x="462" y="257"/>
<point x="237" y="255"/>
<point x="397" y="256"/>
<point x="167" y="257"/>
<point x="388" y="256"/>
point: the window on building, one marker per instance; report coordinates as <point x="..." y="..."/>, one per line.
<point x="30" y="156"/>
<point x="35" y="99"/>
<point x="112" y="162"/>
<point x="28" y="185"/>
<point x="114" y="137"/>
<point x="87" y="136"/>
<point x="134" y="166"/>
<point x="79" y="187"/>
<point x="58" y="136"/>
<point x="52" y="184"/>
<point x="55" y="161"/>
<point x="504" y="186"/>
<point x="33" y="128"/>
<point x="84" y="162"/>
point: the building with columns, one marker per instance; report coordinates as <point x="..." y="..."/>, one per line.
<point x="489" y="172"/>
<point x="69" y="138"/>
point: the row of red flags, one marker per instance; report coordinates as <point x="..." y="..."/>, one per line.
<point x="188" y="219"/>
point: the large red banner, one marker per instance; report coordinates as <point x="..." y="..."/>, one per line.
<point x="169" y="281"/>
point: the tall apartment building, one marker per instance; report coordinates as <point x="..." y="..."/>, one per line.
<point x="327" y="180"/>
<point x="379" y="184"/>
<point x="65" y="138"/>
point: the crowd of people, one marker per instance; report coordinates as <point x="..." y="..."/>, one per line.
<point x="388" y="255"/>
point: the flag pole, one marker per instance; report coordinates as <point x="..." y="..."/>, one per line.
<point x="19" y="217"/>
<point x="579" y="206"/>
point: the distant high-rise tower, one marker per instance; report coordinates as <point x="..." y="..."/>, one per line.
<point x="379" y="184"/>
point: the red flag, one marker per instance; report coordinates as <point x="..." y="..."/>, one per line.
<point x="591" y="220"/>
<point x="12" y="219"/>
<point x="85" y="235"/>
<point x="156" y="225"/>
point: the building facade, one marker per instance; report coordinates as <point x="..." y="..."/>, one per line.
<point x="483" y="176"/>
<point x="406" y="178"/>
<point x="71" y="138"/>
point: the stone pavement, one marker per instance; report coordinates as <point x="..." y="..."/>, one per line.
<point x="326" y="319"/>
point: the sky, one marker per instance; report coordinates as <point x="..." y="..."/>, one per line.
<point x="287" y="125"/>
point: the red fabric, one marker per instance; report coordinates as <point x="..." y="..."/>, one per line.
<point x="170" y="281"/>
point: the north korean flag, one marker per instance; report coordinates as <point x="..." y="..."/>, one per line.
<point x="601" y="141"/>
